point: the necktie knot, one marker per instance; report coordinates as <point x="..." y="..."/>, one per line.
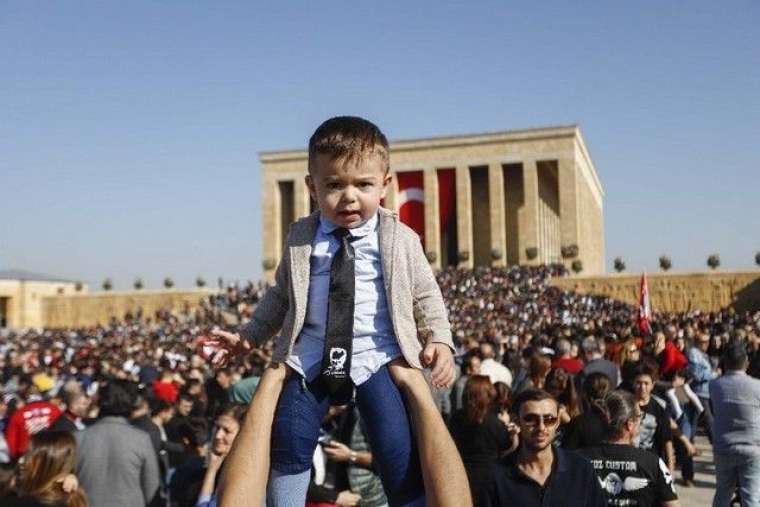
<point x="341" y="232"/>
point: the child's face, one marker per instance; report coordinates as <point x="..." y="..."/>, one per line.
<point x="348" y="192"/>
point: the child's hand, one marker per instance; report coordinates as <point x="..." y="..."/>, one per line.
<point x="438" y="356"/>
<point x="229" y="345"/>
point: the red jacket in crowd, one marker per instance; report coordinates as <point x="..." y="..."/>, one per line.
<point x="27" y="421"/>
<point x="672" y="359"/>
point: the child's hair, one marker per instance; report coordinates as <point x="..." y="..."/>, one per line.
<point x="348" y="137"/>
<point x="51" y="456"/>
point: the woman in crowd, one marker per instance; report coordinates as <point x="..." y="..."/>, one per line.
<point x="628" y="358"/>
<point x="227" y="426"/>
<point x="46" y="474"/>
<point x="560" y="384"/>
<point x="503" y="403"/>
<point x="589" y="427"/>
<point x="479" y="433"/>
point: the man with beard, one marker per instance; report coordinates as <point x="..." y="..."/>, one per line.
<point x="537" y="473"/>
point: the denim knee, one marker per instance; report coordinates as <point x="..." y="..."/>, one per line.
<point x="296" y="426"/>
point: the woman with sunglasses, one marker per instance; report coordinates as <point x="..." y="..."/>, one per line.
<point x="628" y="475"/>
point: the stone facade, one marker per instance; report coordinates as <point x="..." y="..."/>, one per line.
<point x="99" y="308"/>
<point x="22" y="301"/>
<point x="676" y="292"/>
<point x="522" y="197"/>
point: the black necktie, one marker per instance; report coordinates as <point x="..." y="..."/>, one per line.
<point x="336" y="359"/>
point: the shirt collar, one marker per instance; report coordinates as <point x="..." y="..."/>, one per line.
<point x="559" y="464"/>
<point x="327" y="227"/>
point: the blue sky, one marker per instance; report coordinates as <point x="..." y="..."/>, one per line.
<point x="130" y="131"/>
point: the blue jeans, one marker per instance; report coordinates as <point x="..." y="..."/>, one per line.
<point x="737" y="469"/>
<point x="302" y="407"/>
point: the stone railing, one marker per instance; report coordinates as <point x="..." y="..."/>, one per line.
<point x="99" y="308"/>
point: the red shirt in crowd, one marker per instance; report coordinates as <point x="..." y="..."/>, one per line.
<point x="27" y="421"/>
<point x="572" y="365"/>
<point x="167" y="391"/>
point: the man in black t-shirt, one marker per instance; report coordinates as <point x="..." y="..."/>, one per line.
<point x="629" y="476"/>
<point x="537" y="473"/>
<point x="654" y="430"/>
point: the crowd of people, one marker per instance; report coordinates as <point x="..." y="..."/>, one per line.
<point x="132" y="413"/>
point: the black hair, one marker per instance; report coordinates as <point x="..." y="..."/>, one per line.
<point x="735" y="356"/>
<point x="195" y="430"/>
<point x="117" y="398"/>
<point x="531" y="395"/>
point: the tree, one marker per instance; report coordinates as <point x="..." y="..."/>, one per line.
<point x="200" y="282"/>
<point x="107" y="284"/>
<point x="665" y="263"/>
<point x="168" y="282"/>
<point x="713" y="261"/>
<point x="78" y="286"/>
<point x="577" y="266"/>
<point x="757" y="258"/>
<point x="619" y="265"/>
<point x="138" y="285"/>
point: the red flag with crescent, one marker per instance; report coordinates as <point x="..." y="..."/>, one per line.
<point x="411" y="201"/>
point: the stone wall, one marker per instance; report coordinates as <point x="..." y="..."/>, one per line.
<point x="92" y="309"/>
<point x="23" y="299"/>
<point x="676" y="292"/>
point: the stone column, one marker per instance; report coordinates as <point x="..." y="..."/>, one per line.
<point x="567" y="174"/>
<point x="432" y="216"/>
<point x="391" y="193"/>
<point x="302" y="198"/>
<point x="497" y="213"/>
<point x="270" y="222"/>
<point x="529" y="213"/>
<point x="464" y="215"/>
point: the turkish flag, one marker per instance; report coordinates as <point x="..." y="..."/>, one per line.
<point x="411" y="201"/>
<point x="645" y="310"/>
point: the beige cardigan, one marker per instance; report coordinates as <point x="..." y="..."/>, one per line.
<point x="414" y="299"/>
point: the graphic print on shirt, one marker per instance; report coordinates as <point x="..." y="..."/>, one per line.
<point x="338" y="357"/>
<point x="666" y="472"/>
<point x="647" y="430"/>
<point x="614" y="485"/>
<point x="629" y="481"/>
<point x="37" y="419"/>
